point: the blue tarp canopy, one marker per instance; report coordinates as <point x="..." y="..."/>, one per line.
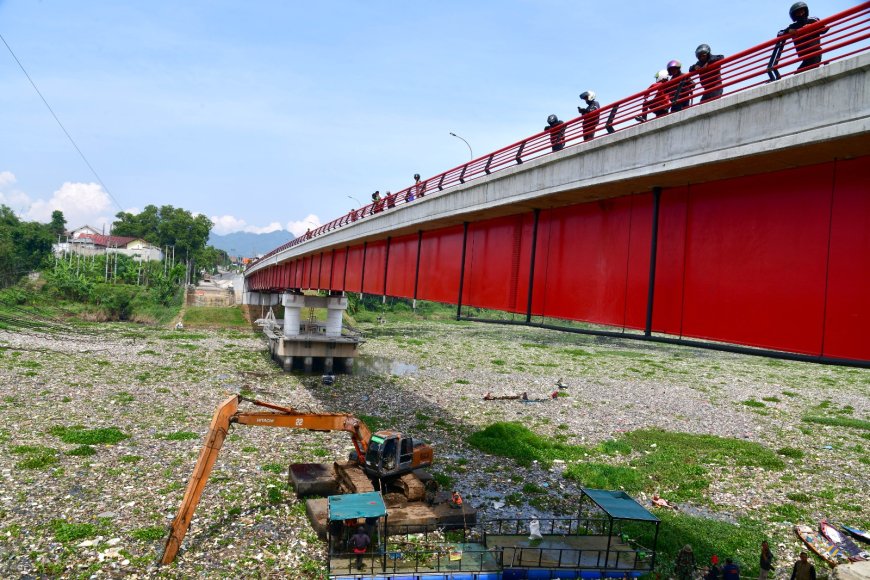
<point x="356" y="505"/>
<point x="619" y="505"/>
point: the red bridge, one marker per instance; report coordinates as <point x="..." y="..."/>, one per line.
<point x="742" y="223"/>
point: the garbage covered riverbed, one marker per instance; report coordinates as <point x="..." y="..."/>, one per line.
<point x="103" y="424"/>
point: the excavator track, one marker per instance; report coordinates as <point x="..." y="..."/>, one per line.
<point x="351" y="478"/>
<point x="412" y="488"/>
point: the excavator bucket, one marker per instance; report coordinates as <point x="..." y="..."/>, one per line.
<point x="217" y="432"/>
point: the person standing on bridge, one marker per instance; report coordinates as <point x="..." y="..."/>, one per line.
<point x="419" y="189"/>
<point x="556" y="129"/>
<point x="590" y="114"/>
<point x="808" y="43"/>
<point x="657" y="99"/>
<point x="680" y="88"/>
<point x="377" y="203"/>
<point x="708" y="71"/>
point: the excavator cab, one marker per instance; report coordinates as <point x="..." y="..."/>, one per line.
<point x="389" y="453"/>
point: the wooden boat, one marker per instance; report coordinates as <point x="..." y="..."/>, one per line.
<point x="848" y="548"/>
<point x="819" y="545"/>
<point x="859" y="534"/>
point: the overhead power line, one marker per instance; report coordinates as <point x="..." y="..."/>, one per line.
<point x="65" y="132"/>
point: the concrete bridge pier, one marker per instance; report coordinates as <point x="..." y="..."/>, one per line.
<point x="335" y="307"/>
<point x="293" y="304"/>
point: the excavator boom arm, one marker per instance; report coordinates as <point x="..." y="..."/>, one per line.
<point x="217" y="432"/>
<point x="228" y="413"/>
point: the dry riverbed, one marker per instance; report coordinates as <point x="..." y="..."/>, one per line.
<point x="76" y="508"/>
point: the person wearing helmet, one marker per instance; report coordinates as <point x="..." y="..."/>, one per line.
<point x="590" y="114"/>
<point x="377" y="202"/>
<point x="556" y="129"/>
<point x="681" y="86"/>
<point x="708" y="71"/>
<point x="657" y="99"/>
<point x="808" y="42"/>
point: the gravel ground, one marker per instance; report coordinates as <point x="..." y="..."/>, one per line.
<point x="105" y="515"/>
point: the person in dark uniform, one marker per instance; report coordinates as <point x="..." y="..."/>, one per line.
<point x="359" y="543"/>
<point x="681" y="86"/>
<point x="808" y="42"/>
<point x="556" y="129"/>
<point x="708" y="71"/>
<point x="590" y="114"/>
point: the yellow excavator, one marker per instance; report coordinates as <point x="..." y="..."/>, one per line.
<point x="381" y="458"/>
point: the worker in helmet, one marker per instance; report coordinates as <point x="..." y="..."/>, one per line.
<point x="590" y="114"/>
<point x="556" y="129"/>
<point x="657" y="99"/>
<point x="680" y="86"/>
<point x="377" y="202"/>
<point x="708" y="71"/>
<point x="807" y="42"/>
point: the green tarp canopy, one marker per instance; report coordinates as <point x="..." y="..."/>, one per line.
<point x="619" y="505"/>
<point x="356" y="505"/>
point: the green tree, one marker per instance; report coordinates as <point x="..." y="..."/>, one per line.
<point x="57" y="226"/>
<point x="23" y="246"/>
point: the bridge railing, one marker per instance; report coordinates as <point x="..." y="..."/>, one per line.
<point x="834" y="38"/>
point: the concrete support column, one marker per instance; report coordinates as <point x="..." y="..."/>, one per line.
<point x="293" y="304"/>
<point x="335" y="305"/>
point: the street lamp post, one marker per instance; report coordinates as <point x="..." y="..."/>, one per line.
<point x="470" y="153"/>
<point x="358" y="204"/>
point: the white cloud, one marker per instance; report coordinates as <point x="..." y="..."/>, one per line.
<point x="81" y="203"/>
<point x="298" y="228"/>
<point x="15" y="199"/>
<point x="227" y="224"/>
<point x="7" y="178"/>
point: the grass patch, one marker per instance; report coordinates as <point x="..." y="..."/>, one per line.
<point x="214" y="317"/>
<point x="149" y="534"/>
<point x="82" y="436"/>
<point x="123" y="397"/>
<point x="790" y="452"/>
<point x="519" y="443"/>
<point x="82" y="451"/>
<point x="178" y="436"/>
<point x="462" y="382"/>
<point x="673" y="463"/>
<point x="35" y="456"/>
<point x="771" y="399"/>
<point x="754" y="403"/>
<point x="534" y="488"/>
<point x="130" y="459"/>
<point x="799" y="497"/>
<point x="69" y="532"/>
<point x="706" y="536"/>
<point x="273" y="468"/>
<point x="839" y="422"/>
<point x="374" y="423"/>
<point x="498" y="362"/>
<point x="444" y="480"/>
<point x="605" y="476"/>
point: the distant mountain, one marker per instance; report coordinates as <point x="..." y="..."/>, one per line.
<point x="248" y="245"/>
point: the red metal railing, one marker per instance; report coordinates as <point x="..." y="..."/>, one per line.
<point x="843" y="35"/>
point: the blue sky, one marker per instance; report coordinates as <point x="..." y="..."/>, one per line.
<point x="267" y="115"/>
